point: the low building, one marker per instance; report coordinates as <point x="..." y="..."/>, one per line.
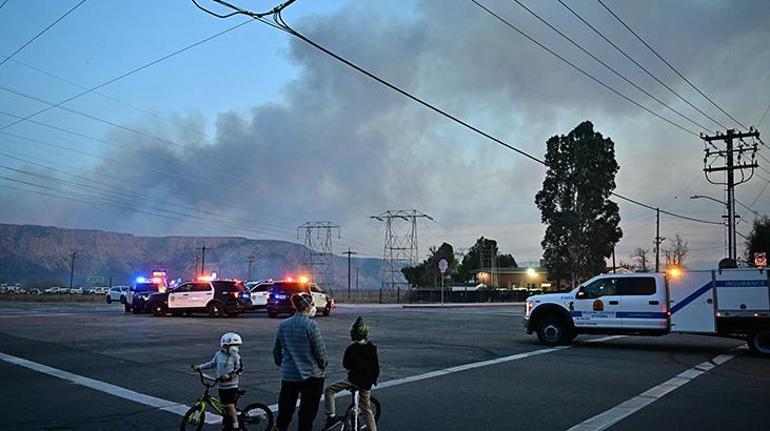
<point x="515" y="278"/>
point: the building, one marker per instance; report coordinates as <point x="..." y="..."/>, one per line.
<point x="515" y="278"/>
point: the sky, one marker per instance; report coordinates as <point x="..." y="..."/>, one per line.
<point x="255" y="132"/>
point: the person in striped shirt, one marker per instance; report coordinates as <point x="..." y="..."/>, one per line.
<point x="300" y="351"/>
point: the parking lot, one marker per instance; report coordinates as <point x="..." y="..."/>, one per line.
<point x="94" y="367"/>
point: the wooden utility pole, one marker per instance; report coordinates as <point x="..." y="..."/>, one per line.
<point x="658" y="240"/>
<point x="73" y="256"/>
<point x="350" y="253"/>
<point x="729" y="153"/>
<point x="250" y="261"/>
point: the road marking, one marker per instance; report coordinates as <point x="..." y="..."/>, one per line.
<point x="148" y="400"/>
<point x="625" y="409"/>
<point x="471" y="366"/>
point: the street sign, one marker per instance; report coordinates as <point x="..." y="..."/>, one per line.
<point x="760" y="259"/>
<point x="95" y="280"/>
<point x="443" y="265"/>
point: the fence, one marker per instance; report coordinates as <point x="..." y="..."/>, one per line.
<point x="412" y="296"/>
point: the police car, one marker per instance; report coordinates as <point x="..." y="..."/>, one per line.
<point x="215" y="297"/>
<point x="279" y="297"/>
<point x="725" y="302"/>
<point x="139" y="292"/>
<point x="259" y="291"/>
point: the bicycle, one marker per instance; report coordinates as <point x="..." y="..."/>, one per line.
<point x="354" y="419"/>
<point x="256" y="416"/>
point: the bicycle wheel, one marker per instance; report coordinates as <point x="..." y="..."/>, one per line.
<point x="256" y="417"/>
<point x="376" y="409"/>
<point x="194" y="418"/>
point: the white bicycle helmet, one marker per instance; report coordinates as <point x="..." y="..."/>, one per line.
<point x="230" y="339"/>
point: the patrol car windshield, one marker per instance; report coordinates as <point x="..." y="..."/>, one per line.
<point x="229" y="285"/>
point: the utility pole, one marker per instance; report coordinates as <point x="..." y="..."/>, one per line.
<point x="250" y="262"/>
<point x="658" y="240"/>
<point x="350" y="253"/>
<point x="195" y="275"/>
<point x="73" y="256"/>
<point x="730" y="153"/>
<point x="356" y="279"/>
<point x="203" y="260"/>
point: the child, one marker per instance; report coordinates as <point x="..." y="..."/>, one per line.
<point x="228" y="366"/>
<point x="363" y="367"/>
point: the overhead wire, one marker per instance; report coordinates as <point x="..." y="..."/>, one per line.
<point x="40" y="33"/>
<point x="650" y="74"/>
<point x="608" y="67"/>
<point x="670" y="66"/>
<point x="3" y="3"/>
<point x="280" y="24"/>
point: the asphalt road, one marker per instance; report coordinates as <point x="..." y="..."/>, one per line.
<point x="496" y="377"/>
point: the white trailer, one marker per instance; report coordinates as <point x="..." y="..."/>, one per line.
<point x="725" y="303"/>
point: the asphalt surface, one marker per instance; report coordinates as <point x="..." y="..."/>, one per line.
<point x="522" y="384"/>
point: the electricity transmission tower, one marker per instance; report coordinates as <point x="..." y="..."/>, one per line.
<point x="400" y="249"/>
<point x="736" y="159"/>
<point x="319" y="254"/>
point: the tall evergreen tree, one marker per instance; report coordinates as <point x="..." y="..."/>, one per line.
<point x="581" y="222"/>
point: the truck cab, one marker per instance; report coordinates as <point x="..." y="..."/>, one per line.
<point x="608" y="303"/>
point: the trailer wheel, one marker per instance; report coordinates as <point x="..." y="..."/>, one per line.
<point x="552" y="330"/>
<point x="759" y="342"/>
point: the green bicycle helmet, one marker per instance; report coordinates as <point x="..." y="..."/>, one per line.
<point x="359" y="330"/>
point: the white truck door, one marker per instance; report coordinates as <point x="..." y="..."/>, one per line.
<point x="180" y="297"/>
<point x="644" y="303"/>
<point x="597" y="304"/>
<point x="691" y="302"/>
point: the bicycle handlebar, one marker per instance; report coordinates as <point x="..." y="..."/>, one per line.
<point x="204" y="377"/>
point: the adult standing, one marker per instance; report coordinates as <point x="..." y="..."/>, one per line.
<point x="301" y="353"/>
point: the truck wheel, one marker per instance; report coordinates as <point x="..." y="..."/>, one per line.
<point x="759" y="342"/>
<point x="552" y="330"/>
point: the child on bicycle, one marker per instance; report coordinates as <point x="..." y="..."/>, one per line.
<point x="363" y="367"/>
<point x="229" y="366"/>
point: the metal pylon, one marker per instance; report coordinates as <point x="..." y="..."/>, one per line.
<point x="400" y="249"/>
<point x="319" y="254"/>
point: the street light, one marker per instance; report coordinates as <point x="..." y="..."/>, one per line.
<point x="531" y="272"/>
<point x="709" y="198"/>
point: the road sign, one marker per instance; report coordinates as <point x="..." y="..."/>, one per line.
<point x="760" y="259"/>
<point x="95" y="279"/>
<point x="443" y="265"/>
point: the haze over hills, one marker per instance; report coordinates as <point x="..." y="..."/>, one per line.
<point x="40" y="256"/>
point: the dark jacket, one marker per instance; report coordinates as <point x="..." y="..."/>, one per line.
<point x="363" y="366"/>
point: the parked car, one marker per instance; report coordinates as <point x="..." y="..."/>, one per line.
<point x="217" y="298"/>
<point x="279" y="298"/>
<point x="117" y="293"/>
<point x="33" y="291"/>
<point x="98" y="290"/>
<point x="76" y="291"/>
<point x="259" y="290"/>
<point x="54" y="290"/>
<point x="138" y="293"/>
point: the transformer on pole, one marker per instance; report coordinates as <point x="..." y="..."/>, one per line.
<point x="319" y="254"/>
<point x="400" y="248"/>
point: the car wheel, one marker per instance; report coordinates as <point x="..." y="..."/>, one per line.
<point x="215" y="309"/>
<point x="109" y="300"/>
<point x="122" y="299"/>
<point x="327" y="311"/>
<point x="552" y="330"/>
<point x="138" y="308"/>
<point x="158" y="309"/>
<point x="126" y="308"/>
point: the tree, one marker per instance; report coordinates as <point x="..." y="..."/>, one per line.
<point x="758" y="239"/>
<point x="676" y="252"/>
<point x="641" y="259"/>
<point x="426" y="273"/>
<point x="581" y="222"/>
<point x="480" y="256"/>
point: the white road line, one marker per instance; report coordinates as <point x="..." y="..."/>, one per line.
<point x="625" y="409"/>
<point x="471" y="366"/>
<point x="148" y="400"/>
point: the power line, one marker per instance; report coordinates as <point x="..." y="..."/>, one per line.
<point x="607" y="66"/>
<point x="650" y="74"/>
<point x="761" y="120"/>
<point x="123" y="75"/>
<point x="280" y="24"/>
<point x="19" y="49"/>
<point x="576" y="67"/>
<point x="675" y="70"/>
<point x="3" y="3"/>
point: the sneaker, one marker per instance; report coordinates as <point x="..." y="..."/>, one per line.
<point x="332" y="422"/>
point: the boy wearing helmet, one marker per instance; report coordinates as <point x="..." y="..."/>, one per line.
<point x="229" y="366"/>
<point x="363" y="367"/>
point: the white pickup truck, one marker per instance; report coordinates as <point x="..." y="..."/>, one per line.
<point x="725" y="303"/>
